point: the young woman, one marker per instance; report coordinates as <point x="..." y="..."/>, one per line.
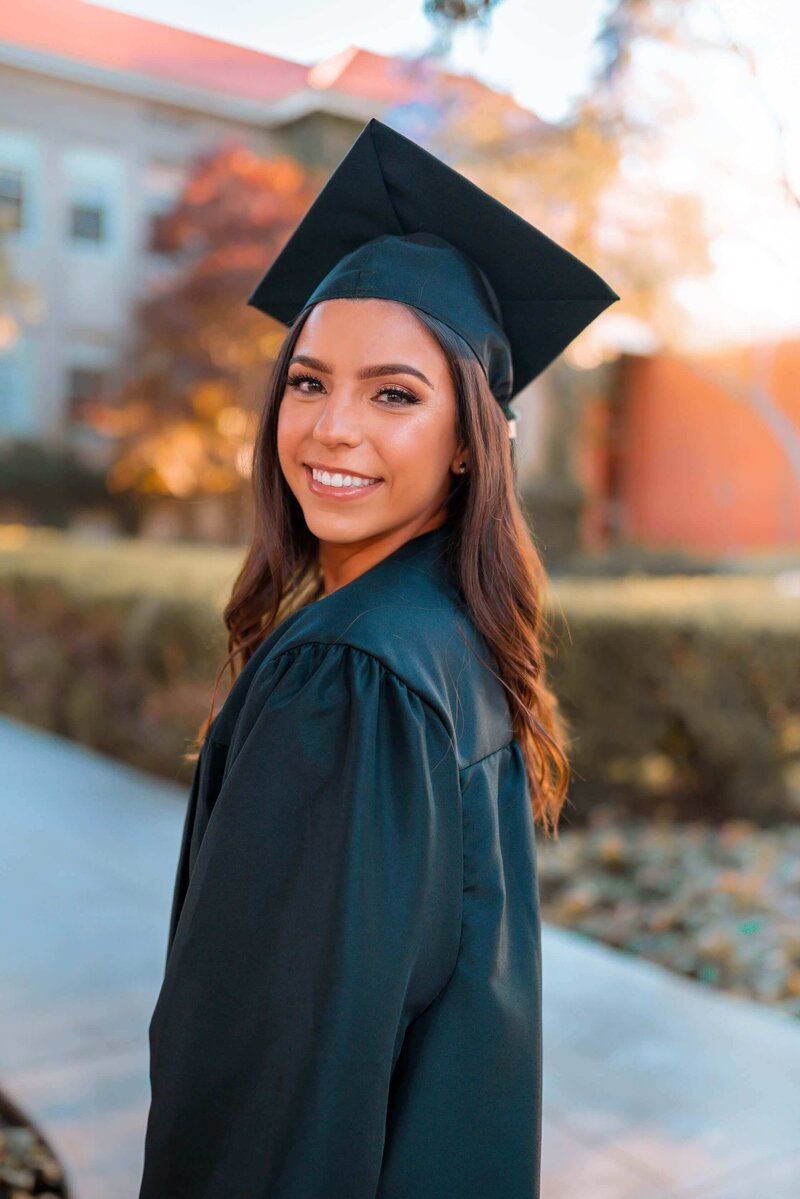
<point x="351" y="1006"/>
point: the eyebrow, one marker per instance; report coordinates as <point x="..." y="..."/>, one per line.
<point x="366" y="372"/>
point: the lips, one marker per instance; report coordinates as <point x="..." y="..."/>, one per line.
<point x="328" y="491"/>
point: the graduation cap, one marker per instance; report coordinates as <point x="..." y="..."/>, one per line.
<point x="395" y="222"/>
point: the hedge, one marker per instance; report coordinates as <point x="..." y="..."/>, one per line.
<point x="682" y="693"/>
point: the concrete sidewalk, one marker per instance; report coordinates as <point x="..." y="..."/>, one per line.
<point x="654" y="1087"/>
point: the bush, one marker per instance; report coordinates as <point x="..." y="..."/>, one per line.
<point x="683" y="693"/>
<point x="112" y="644"/>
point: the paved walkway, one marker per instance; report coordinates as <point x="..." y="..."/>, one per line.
<point x="655" y="1087"/>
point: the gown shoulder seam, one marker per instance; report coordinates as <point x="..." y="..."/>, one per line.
<point x="429" y="703"/>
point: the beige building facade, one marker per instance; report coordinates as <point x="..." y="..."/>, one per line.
<point x="86" y="160"/>
<point x="91" y="149"/>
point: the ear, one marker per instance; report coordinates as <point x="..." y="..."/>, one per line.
<point x="462" y="455"/>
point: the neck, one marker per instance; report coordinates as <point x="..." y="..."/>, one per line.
<point x="341" y="563"/>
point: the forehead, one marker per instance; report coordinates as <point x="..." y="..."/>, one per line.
<point x="353" y="329"/>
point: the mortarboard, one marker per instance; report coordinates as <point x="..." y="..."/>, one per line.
<point x="395" y="222"/>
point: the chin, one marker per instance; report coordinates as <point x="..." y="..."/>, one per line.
<point x="342" y="529"/>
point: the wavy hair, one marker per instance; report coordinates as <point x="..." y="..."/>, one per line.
<point x="492" y="553"/>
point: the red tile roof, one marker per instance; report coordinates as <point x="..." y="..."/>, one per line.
<point x="395" y="80"/>
<point x="117" y="41"/>
<point x="358" y="72"/>
<point x="101" y="37"/>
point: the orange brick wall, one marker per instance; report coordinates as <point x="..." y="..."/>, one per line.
<point x="699" y="466"/>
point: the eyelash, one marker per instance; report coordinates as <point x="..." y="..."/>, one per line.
<point x="407" y="396"/>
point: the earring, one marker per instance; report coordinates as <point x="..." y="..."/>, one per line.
<point x="462" y="466"/>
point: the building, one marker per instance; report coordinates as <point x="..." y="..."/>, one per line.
<point x="101" y="114"/>
<point x="697" y="453"/>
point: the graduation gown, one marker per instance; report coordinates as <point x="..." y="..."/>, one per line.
<point x="351" y="1005"/>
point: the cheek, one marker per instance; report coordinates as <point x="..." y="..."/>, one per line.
<point x="426" y="442"/>
<point x="289" y="432"/>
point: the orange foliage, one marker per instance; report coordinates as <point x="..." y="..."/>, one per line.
<point x="182" y="410"/>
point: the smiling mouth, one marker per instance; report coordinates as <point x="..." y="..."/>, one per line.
<point x="331" y="490"/>
<point x="339" y="470"/>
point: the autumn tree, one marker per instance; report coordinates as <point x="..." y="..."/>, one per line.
<point x="639" y="178"/>
<point x="21" y="302"/>
<point x="182" y="408"/>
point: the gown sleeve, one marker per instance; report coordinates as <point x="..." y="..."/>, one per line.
<point x="323" y="914"/>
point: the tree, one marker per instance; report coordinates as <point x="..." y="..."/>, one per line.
<point x="20" y="299"/>
<point x="183" y="405"/>
<point x="603" y="181"/>
<point x="606" y="181"/>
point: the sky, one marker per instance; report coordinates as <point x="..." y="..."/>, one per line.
<point x="543" y="54"/>
<point x="539" y="51"/>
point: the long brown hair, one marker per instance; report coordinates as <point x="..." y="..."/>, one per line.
<point x="497" y="565"/>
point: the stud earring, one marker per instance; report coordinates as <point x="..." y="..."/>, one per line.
<point x="462" y="466"/>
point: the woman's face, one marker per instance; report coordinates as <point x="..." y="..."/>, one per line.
<point x="368" y="393"/>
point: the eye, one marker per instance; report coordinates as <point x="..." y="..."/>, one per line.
<point x="296" y="380"/>
<point x="405" y="397"/>
<point x="399" y="394"/>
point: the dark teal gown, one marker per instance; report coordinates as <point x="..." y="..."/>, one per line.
<point x="351" y="1005"/>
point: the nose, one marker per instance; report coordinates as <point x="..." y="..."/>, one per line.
<point x="339" y="421"/>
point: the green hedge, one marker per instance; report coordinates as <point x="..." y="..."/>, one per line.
<point x="114" y="644"/>
<point x="682" y="693"/>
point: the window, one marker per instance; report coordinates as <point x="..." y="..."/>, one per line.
<point x="84" y="383"/>
<point x="87" y="375"/>
<point x="20" y="185"/>
<point x="163" y="184"/>
<point x="12" y="187"/>
<point x="87" y="222"/>
<point x="94" y="195"/>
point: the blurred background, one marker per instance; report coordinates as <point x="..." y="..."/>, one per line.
<point x="155" y="155"/>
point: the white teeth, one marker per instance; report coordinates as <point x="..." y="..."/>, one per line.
<point x="339" y="480"/>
